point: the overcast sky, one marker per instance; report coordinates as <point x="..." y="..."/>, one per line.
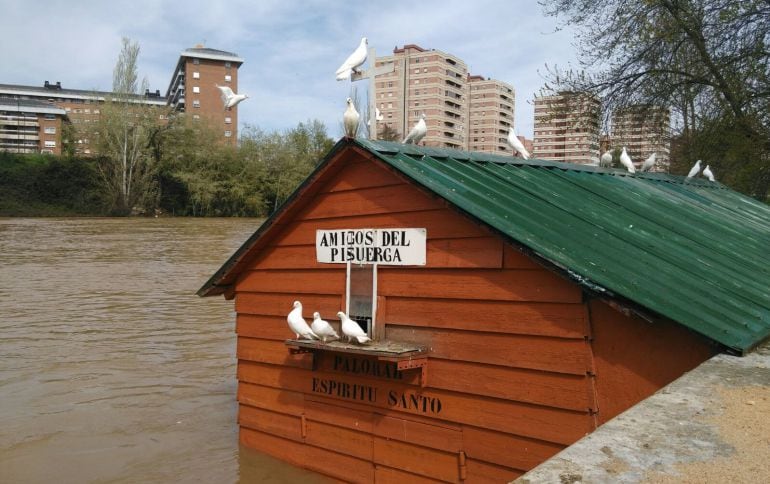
<point x="291" y="48"/>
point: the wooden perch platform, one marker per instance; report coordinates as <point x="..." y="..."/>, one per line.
<point x="406" y="356"/>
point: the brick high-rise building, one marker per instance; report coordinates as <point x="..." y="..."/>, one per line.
<point x="643" y="130"/>
<point x="193" y="87"/>
<point x="491" y="107"/>
<point x="567" y="127"/>
<point x="462" y="111"/>
<point x="424" y="81"/>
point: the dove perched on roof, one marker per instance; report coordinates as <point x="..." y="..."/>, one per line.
<point x="516" y="144"/>
<point x="649" y="162"/>
<point x="350" y="120"/>
<point x="417" y="133"/>
<point x="694" y="170"/>
<point x="355" y="60"/>
<point x="298" y="324"/>
<point x="352" y="330"/>
<point x="229" y="98"/>
<point x="322" y="328"/>
<point x="606" y="159"/>
<point x="708" y="173"/>
<point x="626" y="161"/>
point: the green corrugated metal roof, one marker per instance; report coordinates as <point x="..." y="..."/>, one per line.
<point x="693" y="251"/>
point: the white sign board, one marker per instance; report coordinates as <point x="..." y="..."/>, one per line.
<point x="392" y="247"/>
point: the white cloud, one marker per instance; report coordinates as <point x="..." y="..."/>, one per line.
<point x="291" y="48"/>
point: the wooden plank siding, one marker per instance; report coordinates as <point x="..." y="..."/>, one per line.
<point x="509" y="353"/>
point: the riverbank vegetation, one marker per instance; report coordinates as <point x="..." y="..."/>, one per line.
<point x="189" y="173"/>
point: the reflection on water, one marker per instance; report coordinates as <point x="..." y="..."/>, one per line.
<point x="111" y="369"/>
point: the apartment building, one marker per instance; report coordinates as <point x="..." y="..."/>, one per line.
<point x="490" y="111"/>
<point x="427" y="82"/>
<point x="462" y="111"/>
<point x="30" y="126"/>
<point x="199" y="67"/>
<point x="643" y="129"/>
<point x="567" y="127"/>
<point x="193" y="87"/>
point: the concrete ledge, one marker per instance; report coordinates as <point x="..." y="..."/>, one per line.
<point x="710" y="425"/>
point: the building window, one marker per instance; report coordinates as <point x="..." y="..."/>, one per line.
<point x="50" y="144"/>
<point x="196" y="117"/>
<point x="96" y="111"/>
<point x="228" y="133"/>
<point x="50" y="116"/>
<point x="228" y="120"/>
<point x="196" y="61"/>
<point x="47" y="152"/>
<point x="196" y="89"/>
<point x="196" y="103"/>
<point x="50" y="130"/>
<point x="196" y="75"/>
<point x="228" y="78"/>
<point x="227" y="65"/>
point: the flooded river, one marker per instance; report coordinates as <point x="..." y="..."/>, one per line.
<point x="111" y="369"/>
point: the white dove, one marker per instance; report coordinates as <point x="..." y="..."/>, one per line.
<point x="517" y="145"/>
<point x="418" y="132"/>
<point x="649" y="162"/>
<point x="626" y="161"/>
<point x="298" y="324"/>
<point x="356" y="59"/>
<point x="708" y="173"/>
<point x="350" y="120"/>
<point x="352" y="330"/>
<point x="694" y="170"/>
<point x="229" y="98"/>
<point x="606" y="159"/>
<point x="322" y="328"/>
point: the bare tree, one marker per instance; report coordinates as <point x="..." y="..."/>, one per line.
<point x="123" y="137"/>
<point x="706" y="59"/>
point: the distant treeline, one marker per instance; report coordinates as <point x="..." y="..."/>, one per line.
<point x="191" y="174"/>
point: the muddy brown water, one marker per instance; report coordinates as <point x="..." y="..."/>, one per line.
<point x="111" y="369"/>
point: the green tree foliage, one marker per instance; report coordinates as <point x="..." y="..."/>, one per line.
<point x="123" y="136"/>
<point x="48" y="185"/>
<point x="706" y="59"/>
<point x="284" y="160"/>
<point x="201" y="176"/>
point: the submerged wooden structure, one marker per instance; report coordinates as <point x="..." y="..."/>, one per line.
<point x="552" y="297"/>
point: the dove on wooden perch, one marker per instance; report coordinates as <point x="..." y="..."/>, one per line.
<point x="516" y="144"/>
<point x="708" y="173"/>
<point x="694" y="170"/>
<point x="354" y="61"/>
<point x="417" y="133"/>
<point x="626" y="161"/>
<point x="351" y="329"/>
<point x="322" y="328"/>
<point x="649" y="162"/>
<point x="606" y="160"/>
<point x="298" y="324"/>
<point x="350" y="120"/>
<point x="229" y="98"/>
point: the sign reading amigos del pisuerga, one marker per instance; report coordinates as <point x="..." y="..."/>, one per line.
<point x="393" y="246"/>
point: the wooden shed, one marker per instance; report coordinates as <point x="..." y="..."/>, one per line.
<point x="515" y="306"/>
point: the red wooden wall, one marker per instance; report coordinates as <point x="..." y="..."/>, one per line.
<point x="513" y="361"/>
